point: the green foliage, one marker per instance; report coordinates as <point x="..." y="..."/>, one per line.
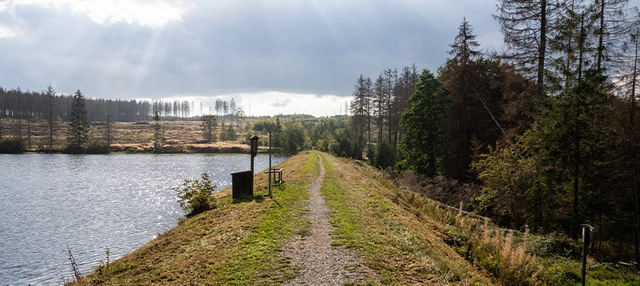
<point x="504" y="255"/>
<point x="266" y="125"/>
<point x="78" y="132"/>
<point x="420" y="148"/>
<point x="195" y="196"/>
<point x="158" y="136"/>
<point x="12" y="145"/>
<point x="371" y="154"/>
<point x="228" y="133"/>
<point x="385" y="157"/>
<point x="275" y="127"/>
<point x="96" y="147"/>
<point x="555" y="245"/>
<point x="294" y="135"/>
<point x="209" y="123"/>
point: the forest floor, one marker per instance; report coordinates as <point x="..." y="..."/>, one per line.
<point x="339" y="222"/>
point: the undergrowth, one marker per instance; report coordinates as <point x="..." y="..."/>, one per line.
<point x="513" y="257"/>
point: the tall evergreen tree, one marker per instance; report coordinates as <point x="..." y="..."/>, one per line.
<point x="209" y="123"/>
<point x="421" y="147"/>
<point x="630" y="86"/>
<point x="158" y="136"/>
<point x="380" y="111"/>
<point x="51" y="104"/>
<point x="459" y="79"/>
<point x="391" y="80"/>
<point x="78" y="132"/>
<point x="19" y="110"/>
<point x="359" y="110"/>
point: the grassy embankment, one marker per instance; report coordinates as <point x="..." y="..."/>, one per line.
<point x="236" y="243"/>
<point x="404" y="238"/>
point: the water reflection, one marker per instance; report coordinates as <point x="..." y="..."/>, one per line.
<point x="119" y="201"/>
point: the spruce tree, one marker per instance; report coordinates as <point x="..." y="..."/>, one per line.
<point x="51" y="104"/>
<point x="158" y="136"/>
<point x="459" y="77"/>
<point x="78" y="132"/>
<point x="209" y="123"/>
<point x="420" y="148"/>
<point x="360" y="111"/>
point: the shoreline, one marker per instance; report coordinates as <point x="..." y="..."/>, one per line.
<point x="182" y="149"/>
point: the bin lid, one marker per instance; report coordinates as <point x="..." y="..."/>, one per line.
<point x="241" y="172"/>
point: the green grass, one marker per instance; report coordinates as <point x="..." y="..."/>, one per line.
<point x="401" y="237"/>
<point x="238" y="243"/>
<point x="385" y="235"/>
<point x="258" y="260"/>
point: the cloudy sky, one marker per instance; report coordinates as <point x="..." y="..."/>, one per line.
<point x="270" y="56"/>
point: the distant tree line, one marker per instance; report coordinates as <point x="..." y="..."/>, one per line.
<point x="30" y="105"/>
<point x="224" y="107"/>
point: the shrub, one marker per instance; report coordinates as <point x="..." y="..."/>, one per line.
<point x="195" y="196"/>
<point x="371" y="154"/>
<point x="96" y="147"/>
<point x="12" y="145"/>
<point x="73" y="149"/>
<point x="555" y="244"/>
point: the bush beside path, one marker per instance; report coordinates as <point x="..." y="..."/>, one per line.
<point x="249" y="242"/>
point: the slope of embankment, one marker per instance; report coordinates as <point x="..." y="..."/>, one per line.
<point x="242" y="242"/>
<point x="394" y="237"/>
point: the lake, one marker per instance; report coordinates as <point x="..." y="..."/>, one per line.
<point x="90" y="203"/>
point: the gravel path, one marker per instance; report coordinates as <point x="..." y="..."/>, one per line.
<point x="320" y="263"/>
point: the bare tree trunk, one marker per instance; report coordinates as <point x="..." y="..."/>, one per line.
<point x="543" y="46"/>
<point x="636" y="226"/>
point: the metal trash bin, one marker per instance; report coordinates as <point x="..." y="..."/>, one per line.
<point x="242" y="184"/>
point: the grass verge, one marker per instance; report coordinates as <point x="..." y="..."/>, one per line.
<point x="238" y="243"/>
<point x="370" y="220"/>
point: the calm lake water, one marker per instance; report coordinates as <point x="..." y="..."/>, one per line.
<point x="90" y="203"/>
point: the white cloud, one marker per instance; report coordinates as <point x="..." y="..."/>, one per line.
<point x="280" y="102"/>
<point x="6" y="32"/>
<point x="266" y="103"/>
<point x="143" y="12"/>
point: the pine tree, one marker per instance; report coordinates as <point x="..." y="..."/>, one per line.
<point x="78" y="132"/>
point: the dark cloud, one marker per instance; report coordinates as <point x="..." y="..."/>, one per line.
<point x="234" y="47"/>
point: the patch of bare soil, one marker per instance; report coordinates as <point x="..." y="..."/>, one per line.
<point x="319" y="262"/>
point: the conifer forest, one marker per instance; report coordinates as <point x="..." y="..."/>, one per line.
<point x="543" y="134"/>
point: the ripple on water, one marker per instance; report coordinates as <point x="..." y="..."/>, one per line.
<point x="118" y="201"/>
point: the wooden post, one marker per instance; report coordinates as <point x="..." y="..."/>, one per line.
<point x="587" y="239"/>
<point x="270" y="195"/>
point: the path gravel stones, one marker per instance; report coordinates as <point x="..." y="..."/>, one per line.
<point x="319" y="262"/>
